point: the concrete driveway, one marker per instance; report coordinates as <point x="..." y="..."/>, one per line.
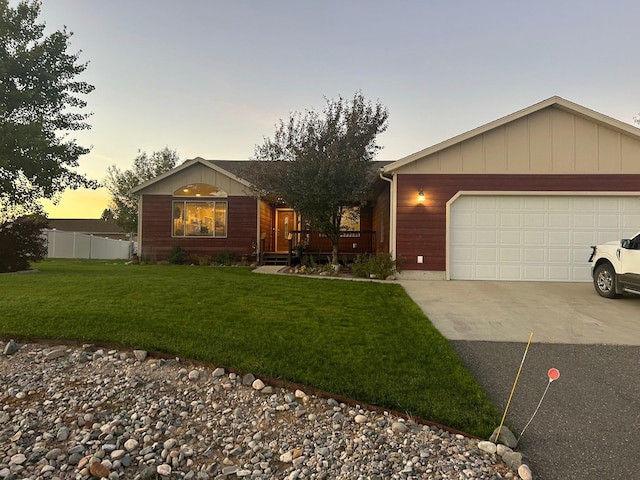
<point x="569" y="313"/>
<point x="588" y="425"/>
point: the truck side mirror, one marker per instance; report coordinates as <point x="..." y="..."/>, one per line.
<point x="625" y="243"/>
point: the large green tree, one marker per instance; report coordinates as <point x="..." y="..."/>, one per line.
<point x="124" y="206"/>
<point x="40" y="107"/>
<point x="318" y="163"/>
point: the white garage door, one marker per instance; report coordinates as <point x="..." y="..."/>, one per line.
<point x="539" y="238"/>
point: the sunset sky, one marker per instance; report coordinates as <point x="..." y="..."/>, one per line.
<point x="212" y="78"/>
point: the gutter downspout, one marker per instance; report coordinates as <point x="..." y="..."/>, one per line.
<point x="392" y="212"/>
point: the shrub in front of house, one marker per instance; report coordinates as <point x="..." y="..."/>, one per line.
<point x="226" y="257"/>
<point x="204" y="260"/>
<point x="22" y="242"/>
<point x="178" y="256"/>
<point x="374" y="266"/>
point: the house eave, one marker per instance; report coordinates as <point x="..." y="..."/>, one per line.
<point x="187" y="164"/>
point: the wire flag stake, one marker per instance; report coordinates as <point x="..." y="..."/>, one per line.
<point x="513" y="389"/>
<point x="553" y="374"/>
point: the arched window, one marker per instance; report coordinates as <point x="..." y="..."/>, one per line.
<point x="199" y="190"/>
<point x="199" y="216"/>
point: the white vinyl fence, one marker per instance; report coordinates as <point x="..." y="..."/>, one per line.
<point x="78" y="245"/>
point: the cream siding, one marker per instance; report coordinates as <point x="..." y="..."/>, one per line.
<point x="495" y="149"/>
<point x="551" y="140"/>
<point x="563" y="142"/>
<point x="630" y="153"/>
<point x="586" y="146"/>
<point x="473" y="158"/>
<point x="518" y="146"/>
<point x="197" y="173"/>
<point x="540" y="141"/>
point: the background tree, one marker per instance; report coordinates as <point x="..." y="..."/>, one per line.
<point x="40" y="106"/>
<point x="320" y="163"/>
<point x="124" y="206"/>
<point x="107" y="215"/>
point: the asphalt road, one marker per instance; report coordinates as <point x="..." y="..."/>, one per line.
<point x="588" y="424"/>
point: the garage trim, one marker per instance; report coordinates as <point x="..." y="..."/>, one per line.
<point x="520" y="193"/>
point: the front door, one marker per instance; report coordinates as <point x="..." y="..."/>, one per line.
<point x="285" y="222"/>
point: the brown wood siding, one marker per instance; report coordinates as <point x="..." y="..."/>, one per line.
<point x="266" y="224"/>
<point x="421" y="227"/>
<point x="381" y="221"/>
<point x="157" y="241"/>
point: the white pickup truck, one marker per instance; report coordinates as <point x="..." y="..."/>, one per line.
<point x="615" y="267"/>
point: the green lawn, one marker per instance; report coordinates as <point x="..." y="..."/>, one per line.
<point x="363" y="340"/>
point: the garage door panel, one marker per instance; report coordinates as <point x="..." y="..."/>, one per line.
<point x="584" y="204"/>
<point x="534" y="237"/>
<point x="608" y="204"/>
<point x="534" y="255"/>
<point x="560" y="220"/>
<point x="509" y="203"/>
<point x="486" y="220"/>
<point x="579" y="256"/>
<point x="486" y="237"/>
<point x="559" y="255"/>
<point x="555" y="272"/>
<point x="510" y="272"/>
<point x="584" y="220"/>
<point x="560" y="204"/>
<point x="534" y="272"/>
<point x="533" y="203"/>
<point x="558" y="238"/>
<point x="509" y="254"/>
<point x="534" y="219"/>
<point x="463" y="271"/>
<point x="608" y="221"/>
<point x="465" y="254"/>
<point x="462" y="236"/>
<point x="581" y="272"/>
<point x="487" y="254"/>
<point x="584" y="238"/>
<point x="630" y="221"/>
<point x="486" y="203"/>
<point x="510" y="237"/>
<point x="519" y="237"/>
<point x="462" y="219"/>
<point x="606" y="236"/>
<point x="489" y="272"/>
<point x="513" y="220"/>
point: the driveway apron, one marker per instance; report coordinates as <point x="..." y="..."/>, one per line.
<point x="587" y="425"/>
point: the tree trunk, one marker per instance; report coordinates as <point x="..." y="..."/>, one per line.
<point x="334" y="253"/>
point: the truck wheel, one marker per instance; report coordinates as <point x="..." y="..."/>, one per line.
<point x="604" y="281"/>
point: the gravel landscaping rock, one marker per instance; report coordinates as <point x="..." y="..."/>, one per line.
<point x="78" y="413"/>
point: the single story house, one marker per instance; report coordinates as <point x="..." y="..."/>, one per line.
<point x="207" y="208"/>
<point x="520" y="198"/>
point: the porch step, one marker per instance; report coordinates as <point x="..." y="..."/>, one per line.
<point x="275" y="259"/>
